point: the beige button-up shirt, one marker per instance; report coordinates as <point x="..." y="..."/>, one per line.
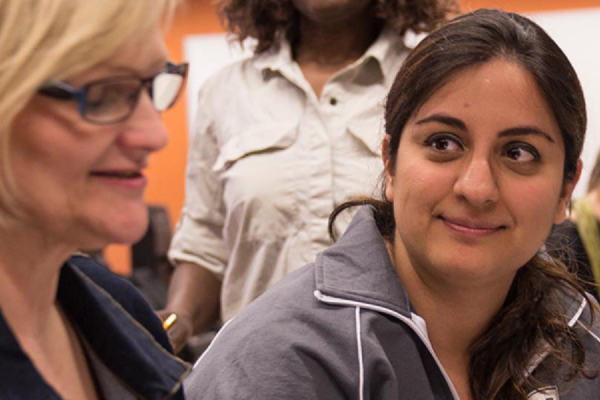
<point x="269" y="161"/>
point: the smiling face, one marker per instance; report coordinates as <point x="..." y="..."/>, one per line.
<point x="82" y="184"/>
<point x="478" y="179"/>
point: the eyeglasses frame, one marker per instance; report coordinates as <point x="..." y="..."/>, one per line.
<point x="63" y="91"/>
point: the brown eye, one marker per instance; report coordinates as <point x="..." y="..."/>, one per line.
<point x="444" y="143"/>
<point x="522" y="153"/>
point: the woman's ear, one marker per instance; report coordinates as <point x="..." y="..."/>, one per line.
<point x="567" y="192"/>
<point x="387" y="169"/>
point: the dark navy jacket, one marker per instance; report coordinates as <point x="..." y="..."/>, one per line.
<point x="115" y="320"/>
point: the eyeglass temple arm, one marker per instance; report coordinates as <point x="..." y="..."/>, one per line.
<point x="58" y="90"/>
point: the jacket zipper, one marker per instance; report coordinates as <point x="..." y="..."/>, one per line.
<point x="409" y="322"/>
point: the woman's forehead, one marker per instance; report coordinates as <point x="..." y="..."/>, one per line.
<point x="499" y="91"/>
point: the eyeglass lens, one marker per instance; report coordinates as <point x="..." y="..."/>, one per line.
<point x="112" y="100"/>
<point x="165" y="89"/>
<point x="116" y="100"/>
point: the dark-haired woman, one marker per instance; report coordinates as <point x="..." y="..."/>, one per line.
<point x="282" y="138"/>
<point x="438" y="291"/>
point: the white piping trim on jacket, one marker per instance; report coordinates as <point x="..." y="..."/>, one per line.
<point x="578" y="313"/>
<point x="540" y="357"/>
<point x="211" y="343"/>
<point x="588" y="330"/>
<point x="361" y="367"/>
<point x="409" y="322"/>
<point x="537" y="360"/>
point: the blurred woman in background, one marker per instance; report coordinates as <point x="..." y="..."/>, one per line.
<point x="281" y="139"/>
<point x="83" y="84"/>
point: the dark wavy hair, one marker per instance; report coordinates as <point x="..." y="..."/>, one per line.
<point x="266" y="20"/>
<point x="500" y="356"/>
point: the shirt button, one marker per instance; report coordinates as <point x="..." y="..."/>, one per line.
<point x="333" y="101"/>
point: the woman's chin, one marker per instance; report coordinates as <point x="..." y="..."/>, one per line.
<point x="122" y="229"/>
<point x="131" y="232"/>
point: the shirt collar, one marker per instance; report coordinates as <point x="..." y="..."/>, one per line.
<point x="277" y="58"/>
<point x="387" y="50"/>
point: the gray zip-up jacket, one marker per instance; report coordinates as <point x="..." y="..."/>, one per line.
<point x="343" y="328"/>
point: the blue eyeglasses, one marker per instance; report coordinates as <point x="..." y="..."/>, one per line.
<point x="112" y="100"/>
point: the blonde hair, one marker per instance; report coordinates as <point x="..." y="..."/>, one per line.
<point x="57" y="39"/>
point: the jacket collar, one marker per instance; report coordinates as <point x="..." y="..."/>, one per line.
<point x="358" y="268"/>
<point x="122" y="344"/>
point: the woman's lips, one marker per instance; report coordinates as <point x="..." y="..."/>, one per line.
<point x="128" y="179"/>
<point x="472" y="228"/>
<point x="119" y="174"/>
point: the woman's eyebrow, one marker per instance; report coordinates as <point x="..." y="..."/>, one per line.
<point x="129" y="69"/>
<point x="459" y="124"/>
<point x="444" y="119"/>
<point x="524" y="131"/>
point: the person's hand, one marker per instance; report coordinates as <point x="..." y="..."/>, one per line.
<point x="180" y="331"/>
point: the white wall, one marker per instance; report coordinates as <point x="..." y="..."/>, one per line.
<point x="577" y="32"/>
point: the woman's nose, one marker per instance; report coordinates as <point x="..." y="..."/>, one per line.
<point x="477" y="183"/>
<point x="145" y="128"/>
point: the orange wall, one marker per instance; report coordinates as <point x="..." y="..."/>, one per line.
<point x="528" y="5"/>
<point x="167" y="168"/>
<point x="166" y="172"/>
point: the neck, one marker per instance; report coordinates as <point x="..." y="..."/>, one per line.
<point x="455" y="318"/>
<point x="456" y="314"/>
<point x="29" y="271"/>
<point x="335" y="46"/>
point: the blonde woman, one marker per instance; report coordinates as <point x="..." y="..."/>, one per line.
<point x="83" y="84"/>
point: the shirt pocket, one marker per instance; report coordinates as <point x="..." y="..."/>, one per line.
<point x="255" y="141"/>
<point x="358" y="161"/>
<point x="368" y="130"/>
<point x="259" y="173"/>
